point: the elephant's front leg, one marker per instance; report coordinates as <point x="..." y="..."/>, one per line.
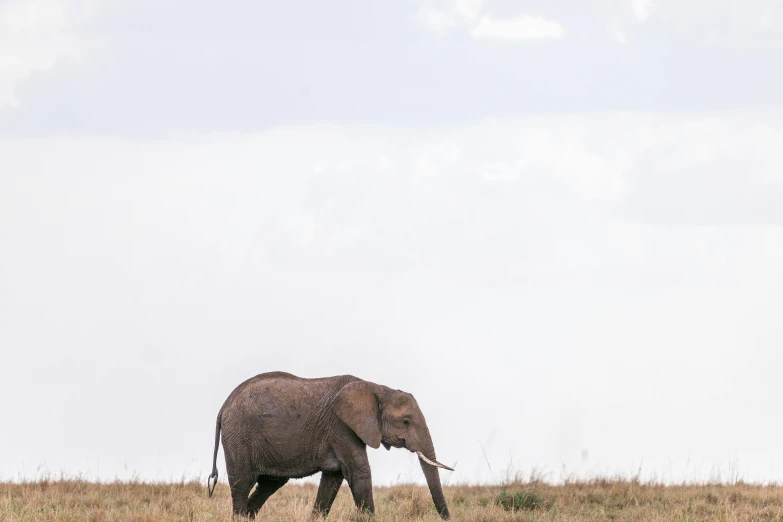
<point x="327" y="491"/>
<point x="360" y="482"/>
<point x="361" y="489"/>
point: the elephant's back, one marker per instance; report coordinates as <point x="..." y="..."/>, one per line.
<point x="278" y="395"/>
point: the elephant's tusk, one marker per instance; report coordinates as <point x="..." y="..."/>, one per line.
<point x="432" y="463"/>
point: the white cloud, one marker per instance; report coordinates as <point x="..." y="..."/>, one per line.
<point x="424" y="166"/>
<point x="468" y="9"/>
<point x="442" y="18"/>
<point x="565" y="156"/>
<point x="717" y="23"/>
<point x="521" y="27"/>
<point x="467" y="14"/>
<point x="32" y="16"/>
<point x="34" y="34"/>
<point x="385" y="164"/>
<point x="31" y="37"/>
<point x="618" y="34"/>
<point x="499" y="171"/>
<point x="436" y="20"/>
<point x="727" y="256"/>
<point x="642" y="9"/>
<point x="620" y="20"/>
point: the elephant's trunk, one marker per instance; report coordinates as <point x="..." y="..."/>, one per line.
<point x="433" y="479"/>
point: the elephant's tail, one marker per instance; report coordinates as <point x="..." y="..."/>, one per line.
<point x="214" y="475"/>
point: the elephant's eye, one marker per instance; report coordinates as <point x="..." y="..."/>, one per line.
<point x="406" y="421"/>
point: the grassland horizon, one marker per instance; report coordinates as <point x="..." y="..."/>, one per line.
<point x="71" y="500"/>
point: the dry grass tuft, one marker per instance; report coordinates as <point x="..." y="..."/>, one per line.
<point x="73" y="500"/>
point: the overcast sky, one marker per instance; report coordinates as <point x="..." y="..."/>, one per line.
<point x="559" y="224"/>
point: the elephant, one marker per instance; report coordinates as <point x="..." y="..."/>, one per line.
<point x="277" y="426"/>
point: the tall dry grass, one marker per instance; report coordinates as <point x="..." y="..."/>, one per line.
<point x="80" y="501"/>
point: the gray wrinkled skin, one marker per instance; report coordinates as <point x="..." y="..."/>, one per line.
<point x="277" y="426"/>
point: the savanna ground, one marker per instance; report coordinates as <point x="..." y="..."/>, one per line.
<point x="72" y="501"/>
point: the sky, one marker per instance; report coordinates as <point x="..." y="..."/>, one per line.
<point x="557" y="223"/>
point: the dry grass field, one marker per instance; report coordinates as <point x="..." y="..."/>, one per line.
<point x="77" y="501"/>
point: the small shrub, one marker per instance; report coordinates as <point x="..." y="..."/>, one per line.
<point x="517" y="500"/>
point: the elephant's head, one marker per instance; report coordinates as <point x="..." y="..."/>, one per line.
<point x="379" y="415"/>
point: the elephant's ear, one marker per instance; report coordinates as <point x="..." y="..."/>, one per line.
<point x="357" y="406"/>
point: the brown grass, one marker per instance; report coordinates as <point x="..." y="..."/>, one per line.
<point x="72" y="501"/>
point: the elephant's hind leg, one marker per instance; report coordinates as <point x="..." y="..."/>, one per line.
<point x="327" y="491"/>
<point x="240" y="489"/>
<point x="265" y="489"/>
